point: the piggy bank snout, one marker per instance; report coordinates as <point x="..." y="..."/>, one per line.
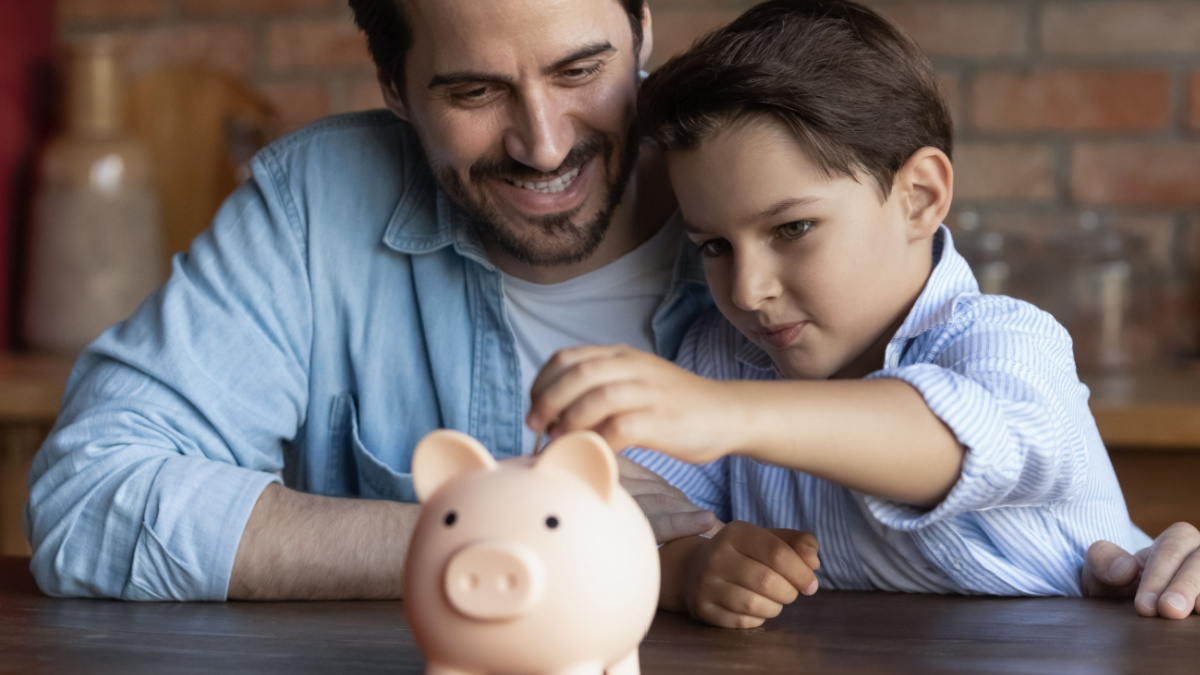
<point x="494" y="580"/>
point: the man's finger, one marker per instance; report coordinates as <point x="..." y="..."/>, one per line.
<point x="1171" y="550"/>
<point x="1110" y="571"/>
<point x="677" y="525"/>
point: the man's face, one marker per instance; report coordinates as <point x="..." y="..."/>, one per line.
<point x="814" y="269"/>
<point x="525" y="109"/>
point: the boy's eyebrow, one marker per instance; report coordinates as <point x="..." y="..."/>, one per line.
<point x="467" y="76"/>
<point x="784" y="205"/>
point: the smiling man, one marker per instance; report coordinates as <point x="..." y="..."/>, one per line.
<point x="381" y="275"/>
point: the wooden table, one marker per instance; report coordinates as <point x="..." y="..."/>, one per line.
<point x="829" y="633"/>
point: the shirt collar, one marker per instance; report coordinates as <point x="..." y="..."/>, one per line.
<point x="951" y="276"/>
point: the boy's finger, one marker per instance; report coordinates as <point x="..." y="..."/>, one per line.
<point x="550" y="398"/>
<point x="1171" y="550"/>
<point x="1182" y="596"/>
<point x="722" y="618"/>
<point x="758" y="579"/>
<point x="1109" y="571"/>
<point x="596" y="405"/>
<point x="776" y="554"/>
<point x="740" y="600"/>
<point x="802" y="543"/>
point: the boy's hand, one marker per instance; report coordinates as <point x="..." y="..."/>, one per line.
<point x="746" y="574"/>
<point x="632" y="398"/>
<point x="1163" y="579"/>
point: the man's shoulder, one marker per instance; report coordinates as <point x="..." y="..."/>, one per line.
<point x="344" y="148"/>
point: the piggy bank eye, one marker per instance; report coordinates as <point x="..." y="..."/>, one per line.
<point x="450" y="518"/>
<point x="551" y="522"/>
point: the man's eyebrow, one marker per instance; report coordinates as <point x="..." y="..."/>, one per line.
<point x="586" y="51"/>
<point x="785" y="205"/>
<point x="469" y="76"/>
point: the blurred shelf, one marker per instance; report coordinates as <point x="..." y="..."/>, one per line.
<point x="31" y="387"/>
<point x="1148" y="409"/>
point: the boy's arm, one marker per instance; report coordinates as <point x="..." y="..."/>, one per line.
<point x="878" y="437"/>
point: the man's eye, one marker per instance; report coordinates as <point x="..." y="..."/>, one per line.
<point x="476" y="95"/>
<point x="581" y="73"/>
<point x="713" y="248"/>
<point x="795" y="229"/>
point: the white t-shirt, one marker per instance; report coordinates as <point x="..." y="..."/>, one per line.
<point x="612" y="305"/>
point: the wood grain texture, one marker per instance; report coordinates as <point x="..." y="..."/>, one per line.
<point x="831" y="633"/>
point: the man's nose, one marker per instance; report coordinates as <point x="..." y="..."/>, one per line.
<point x="542" y="135"/>
<point x="755" y="282"/>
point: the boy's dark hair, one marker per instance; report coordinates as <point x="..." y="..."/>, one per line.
<point x="389" y="34"/>
<point x="856" y="91"/>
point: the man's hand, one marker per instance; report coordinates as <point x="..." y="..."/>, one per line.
<point x="746" y="574"/>
<point x="633" y="398"/>
<point x="1163" y="579"/>
<point x="671" y="515"/>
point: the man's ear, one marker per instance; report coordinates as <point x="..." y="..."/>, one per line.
<point x="647" y="38"/>
<point x="391" y="95"/>
<point x="926" y="185"/>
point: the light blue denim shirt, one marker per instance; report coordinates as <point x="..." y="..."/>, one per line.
<point x="339" y="309"/>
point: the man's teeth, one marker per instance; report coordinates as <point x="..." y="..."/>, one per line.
<point x="551" y="186"/>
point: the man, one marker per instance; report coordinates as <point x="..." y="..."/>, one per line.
<point x="380" y="276"/>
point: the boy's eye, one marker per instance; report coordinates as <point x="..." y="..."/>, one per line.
<point x="713" y="248"/>
<point x="795" y="229"/>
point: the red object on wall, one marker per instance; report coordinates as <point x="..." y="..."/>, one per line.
<point x="26" y="41"/>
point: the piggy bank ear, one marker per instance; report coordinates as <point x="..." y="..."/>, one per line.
<point x="444" y="454"/>
<point x="587" y="455"/>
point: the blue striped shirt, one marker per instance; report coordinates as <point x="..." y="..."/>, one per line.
<point x="1036" y="487"/>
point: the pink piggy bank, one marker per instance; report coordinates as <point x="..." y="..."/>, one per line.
<point x="530" y="565"/>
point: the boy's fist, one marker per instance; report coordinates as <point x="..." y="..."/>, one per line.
<point x="745" y="574"/>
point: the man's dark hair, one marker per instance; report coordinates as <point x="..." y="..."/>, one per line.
<point x="857" y="92"/>
<point x="390" y="36"/>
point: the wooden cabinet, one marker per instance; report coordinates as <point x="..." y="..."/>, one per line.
<point x="1150" y="422"/>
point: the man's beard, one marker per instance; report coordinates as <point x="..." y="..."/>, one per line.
<point x="554" y="239"/>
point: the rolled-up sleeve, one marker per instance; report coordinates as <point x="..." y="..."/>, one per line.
<point x="1006" y="387"/>
<point x="174" y="420"/>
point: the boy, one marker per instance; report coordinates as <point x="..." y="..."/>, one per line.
<point x="855" y="384"/>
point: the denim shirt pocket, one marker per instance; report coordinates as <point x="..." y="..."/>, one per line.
<point x="376" y="480"/>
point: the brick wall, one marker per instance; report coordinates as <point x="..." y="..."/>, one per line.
<point x="1067" y="111"/>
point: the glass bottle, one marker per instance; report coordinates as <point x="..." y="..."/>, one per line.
<point x="95" y="237"/>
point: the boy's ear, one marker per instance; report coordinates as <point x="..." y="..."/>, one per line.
<point x="926" y="185"/>
<point x="647" y="38"/>
<point x="391" y="95"/>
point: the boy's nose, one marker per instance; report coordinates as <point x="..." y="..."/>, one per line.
<point x="754" y="283"/>
<point x="542" y="134"/>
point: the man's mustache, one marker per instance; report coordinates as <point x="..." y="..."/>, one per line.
<point x="507" y="168"/>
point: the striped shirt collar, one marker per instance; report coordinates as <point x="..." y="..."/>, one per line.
<point x="951" y="277"/>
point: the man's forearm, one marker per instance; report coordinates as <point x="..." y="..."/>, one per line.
<point x="299" y="546"/>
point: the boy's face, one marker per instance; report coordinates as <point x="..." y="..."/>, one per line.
<point x="525" y="110"/>
<point x="815" y="269"/>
